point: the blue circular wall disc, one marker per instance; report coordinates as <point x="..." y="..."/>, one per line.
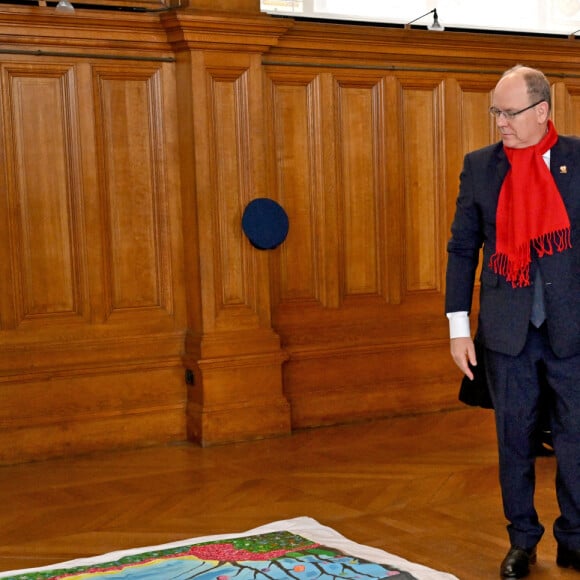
<point x="265" y="223"/>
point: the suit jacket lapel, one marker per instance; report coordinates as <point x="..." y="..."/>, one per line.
<point x="502" y="167"/>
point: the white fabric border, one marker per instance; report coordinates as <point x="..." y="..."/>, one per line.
<point x="303" y="526"/>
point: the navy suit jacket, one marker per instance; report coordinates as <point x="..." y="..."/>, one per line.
<point x="505" y="311"/>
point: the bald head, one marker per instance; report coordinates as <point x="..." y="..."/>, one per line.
<point x="537" y="85"/>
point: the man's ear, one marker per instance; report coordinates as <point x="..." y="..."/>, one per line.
<point x="543" y="111"/>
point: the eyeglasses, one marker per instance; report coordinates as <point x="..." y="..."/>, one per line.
<point x="509" y="115"/>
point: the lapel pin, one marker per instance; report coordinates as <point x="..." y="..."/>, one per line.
<point x="563" y="169"/>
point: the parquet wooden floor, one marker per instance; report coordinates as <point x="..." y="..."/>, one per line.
<point x="424" y="488"/>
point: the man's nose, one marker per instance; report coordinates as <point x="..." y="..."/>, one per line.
<point x="501" y="120"/>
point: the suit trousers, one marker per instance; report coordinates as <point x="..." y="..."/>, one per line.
<point x="517" y="394"/>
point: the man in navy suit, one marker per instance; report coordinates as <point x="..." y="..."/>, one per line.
<point x="519" y="199"/>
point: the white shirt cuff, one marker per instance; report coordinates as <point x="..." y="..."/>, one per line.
<point x="459" y="325"/>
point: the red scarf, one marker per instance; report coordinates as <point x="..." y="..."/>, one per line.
<point x="530" y="212"/>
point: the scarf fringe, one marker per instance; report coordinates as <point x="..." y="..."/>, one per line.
<point x="560" y="239"/>
<point x="516" y="269"/>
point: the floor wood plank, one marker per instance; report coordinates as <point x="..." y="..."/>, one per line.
<point x="424" y="488"/>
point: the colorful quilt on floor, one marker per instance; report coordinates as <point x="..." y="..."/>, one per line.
<point x="297" y="549"/>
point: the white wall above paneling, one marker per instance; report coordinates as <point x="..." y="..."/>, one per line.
<point x="523" y="16"/>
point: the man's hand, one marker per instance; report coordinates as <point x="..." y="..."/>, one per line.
<point x="463" y="352"/>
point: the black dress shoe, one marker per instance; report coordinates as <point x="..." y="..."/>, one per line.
<point x="568" y="558"/>
<point x="517" y="562"/>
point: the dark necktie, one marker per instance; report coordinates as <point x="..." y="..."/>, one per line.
<point x="538" y="310"/>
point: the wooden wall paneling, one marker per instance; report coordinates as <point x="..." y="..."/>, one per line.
<point x="235" y="354"/>
<point x="423" y="160"/>
<point x="361" y="131"/>
<point x="468" y="125"/>
<point x="135" y="202"/>
<point x="566" y="106"/>
<point x="559" y="106"/>
<point x="478" y="127"/>
<point x="454" y="150"/>
<point x="394" y="190"/>
<point x="187" y="64"/>
<point x="233" y="185"/>
<point x="362" y="343"/>
<point x="133" y="190"/>
<point x="68" y="412"/>
<point x="81" y="371"/>
<point x="92" y="199"/>
<point x="46" y="226"/>
<point x="225" y="183"/>
<point x="7" y="294"/>
<point x="361" y="382"/>
<point x="302" y="151"/>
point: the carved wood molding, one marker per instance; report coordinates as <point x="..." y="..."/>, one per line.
<point x="387" y="48"/>
<point x="26" y="360"/>
<point x="89" y="33"/>
<point x="189" y="29"/>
